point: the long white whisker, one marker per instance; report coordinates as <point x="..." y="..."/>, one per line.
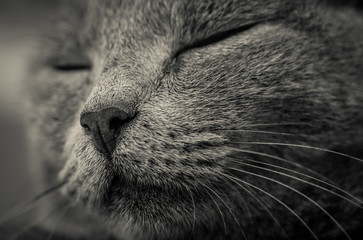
<point x="278" y="159"/>
<point x="220" y="212"/>
<point x="256" y="131"/>
<point x="302" y="146"/>
<point x="277" y="200"/>
<point x="300" y="180"/>
<point x="311" y="177"/>
<point x="56" y="224"/>
<point x="28" y="205"/>
<point x="30" y="225"/>
<point x="194" y="211"/>
<point x="259" y="201"/>
<point x="225" y="204"/>
<point x="274" y="124"/>
<point x="298" y="192"/>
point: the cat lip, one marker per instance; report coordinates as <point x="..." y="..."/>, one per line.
<point x="115" y="189"/>
<point x="122" y="188"/>
<point x="120" y="184"/>
<point x="117" y="184"/>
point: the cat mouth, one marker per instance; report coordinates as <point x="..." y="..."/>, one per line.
<point x="117" y="184"/>
<point x="121" y="187"/>
<point x="123" y="191"/>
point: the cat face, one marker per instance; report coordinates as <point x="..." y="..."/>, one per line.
<point x="199" y="119"/>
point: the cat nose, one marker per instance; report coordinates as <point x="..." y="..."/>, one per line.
<point x="105" y="126"/>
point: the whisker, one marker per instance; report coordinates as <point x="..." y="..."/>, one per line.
<point x="220" y="212"/>
<point x="301" y="180"/>
<point x="261" y="202"/>
<point x="302" y="146"/>
<point x="311" y="177"/>
<point x="256" y="131"/>
<point x="225" y="204"/>
<point x="277" y="200"/>
<point x="280" y="159"/>
<point x="30" y="225"/>
<point x="298" y="192"/>
<point x="26" y="206"/>
<point x="194" y="211"/>
<point x="59" y="219"/>
<point x="13" y="38"/>
<point x="275" y="124"/>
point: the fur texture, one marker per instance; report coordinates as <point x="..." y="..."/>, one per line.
<point x="210" y="112"/>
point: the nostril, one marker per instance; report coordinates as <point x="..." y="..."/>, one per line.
<point x="115" y="124"/>
<point x="105" y="126"/>
<point x="85" y="127"/>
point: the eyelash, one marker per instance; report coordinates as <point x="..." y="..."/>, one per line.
<point x="220" y="36"/>
<point x="72" y="67"/>
<point x="70" y="63"/>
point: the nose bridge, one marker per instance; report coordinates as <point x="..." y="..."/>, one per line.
<point x="129" y="71"/>
<point x="112" y="90"/>
<point x="126" y="80"/>
<point x="111" y="104"/>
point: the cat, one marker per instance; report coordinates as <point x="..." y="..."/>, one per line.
<point x="198" y="119"/>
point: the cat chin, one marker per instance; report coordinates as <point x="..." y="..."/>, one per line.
<point x="122" y="208"/>
<point x="133" y="227"/>
<point x="128" y="206"/>
<point x="128" y="214"/>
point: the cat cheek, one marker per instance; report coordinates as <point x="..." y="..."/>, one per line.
<point x="74" y="135"/>
<point x="84" y="171"/>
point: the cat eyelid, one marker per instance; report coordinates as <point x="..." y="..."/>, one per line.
<point x="71" y="64"/>
<point x="217" y="37"/>
<point x="72" y="67"/>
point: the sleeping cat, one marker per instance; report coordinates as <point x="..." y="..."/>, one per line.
<point x="198" y="119"/>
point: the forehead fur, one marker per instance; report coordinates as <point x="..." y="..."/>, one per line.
<point x="183" y="20"/>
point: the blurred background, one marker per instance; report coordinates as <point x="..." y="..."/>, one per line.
<point x="15" y="48"/>
<point x="20" y="22"/>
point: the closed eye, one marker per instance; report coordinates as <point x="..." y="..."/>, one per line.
<point x="220" y="36"/>
<point x="72" y="67"/>
<point x="71" y="63"/>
